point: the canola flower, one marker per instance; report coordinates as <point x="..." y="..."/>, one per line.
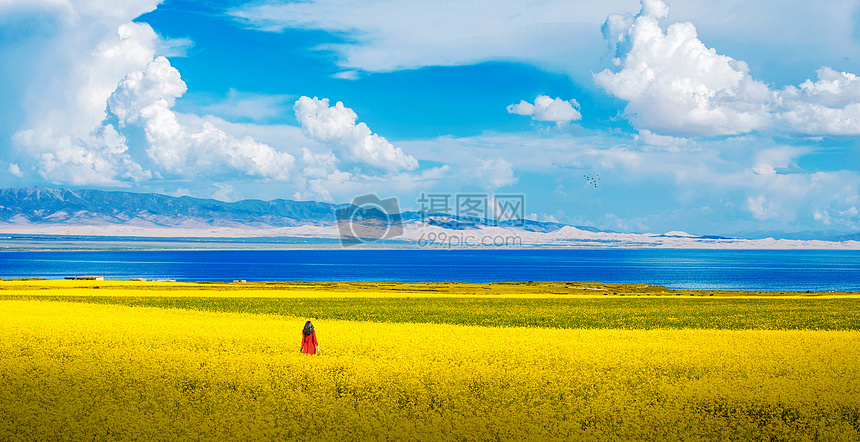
<point x="74" y="371"/>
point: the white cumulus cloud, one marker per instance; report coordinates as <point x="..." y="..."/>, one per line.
<point x="830" y="105"/>
<point x="648" y="139"/>
<point x="495" y="172"/>
<point x="99" y="60"/>
<point x="99" y="157"/>
<point x="192" y="146"/>
<point x="15" y="170"/>
<point x="545" y="108"/>
<point x="65" y="130"/>
<point x="336" y="126"/>
<point x="675" y="85"/>
<point x="761" y="208"/>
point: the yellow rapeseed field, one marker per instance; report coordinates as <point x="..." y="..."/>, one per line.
<point x="78" y="371"/>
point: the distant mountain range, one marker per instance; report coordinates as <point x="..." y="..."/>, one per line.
<point x="62" y="211"/>
<point x="38" y="205"/>
<point x="805" y="235"/>
<point x="41" y="205"/>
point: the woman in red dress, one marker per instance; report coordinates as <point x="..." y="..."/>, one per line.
<point x="309" y="340"/>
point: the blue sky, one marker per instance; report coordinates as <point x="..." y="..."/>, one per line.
<point x="707" y="117"/>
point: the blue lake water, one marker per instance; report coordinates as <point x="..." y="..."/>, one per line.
<point x="797" y="270"/>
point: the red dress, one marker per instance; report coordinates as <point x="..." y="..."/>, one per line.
<point x="309" y="343"/>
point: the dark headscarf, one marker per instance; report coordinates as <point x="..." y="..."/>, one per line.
<point x="309" y="328"/>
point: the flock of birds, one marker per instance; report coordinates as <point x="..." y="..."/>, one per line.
<point x="592" y="180"/>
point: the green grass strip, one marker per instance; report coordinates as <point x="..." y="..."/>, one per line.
<point x="587" y="313"/>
